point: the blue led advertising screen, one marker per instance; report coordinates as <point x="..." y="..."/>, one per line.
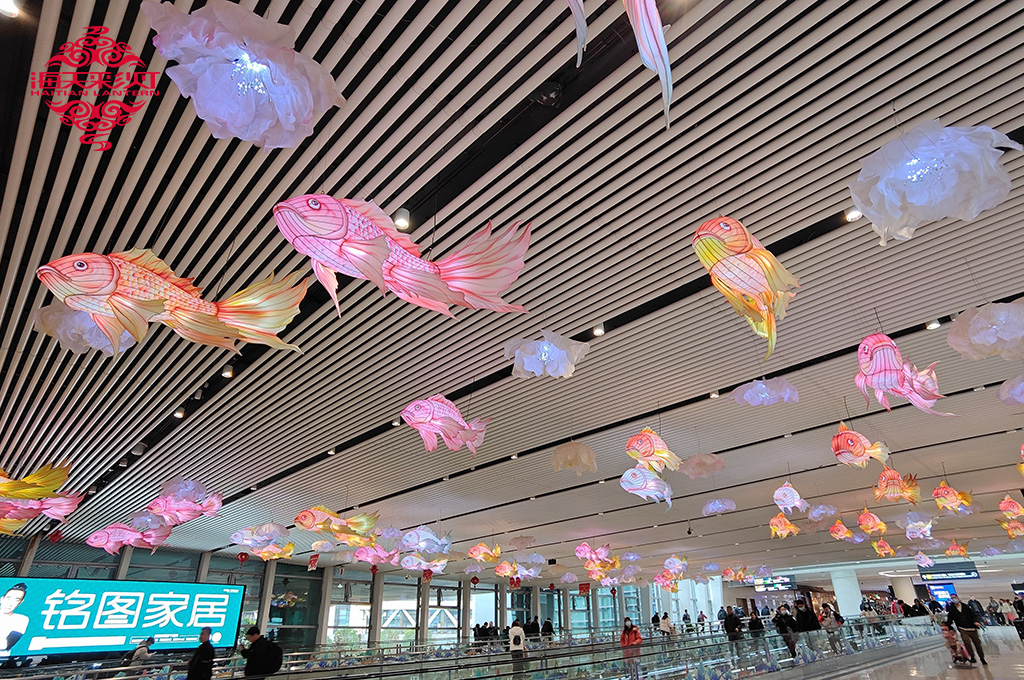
<point x="41" y="616"/>
<point x="942" y="592"/>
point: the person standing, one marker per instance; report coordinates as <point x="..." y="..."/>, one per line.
<point x="1018" y="606"/>
<point x="655" y="622"/>
<point x="785" y="624"/>
<point x="701" y="621"/>
<point x="630" y="642"/>
<point x="517" y="648"/>
<point x="967" y="622"/>
<point x="765" y="611"/>
<point x="141" y="654"/>
<point x="200" y="666"/>
<point x="665" y="625"/>
<point x="547" y="631"/>
<point x="733" y="633"/>
<point x="993" y="612"/>
<point x="807" y="625"/>
<point x="263" y="657"/>
<point x="830" y="623"/>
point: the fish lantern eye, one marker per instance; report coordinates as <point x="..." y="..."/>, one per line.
<point x="314" y="204"/>
<point x="81" y="265"/>
<point x="849" y="442"/>
<point x="726" y="226"/>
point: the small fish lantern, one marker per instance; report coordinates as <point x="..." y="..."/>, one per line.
<point x="373" y="569"/>
<point x="473" y="580"/>
<point x="243" y="557"/>
<point x="427" y="575"/>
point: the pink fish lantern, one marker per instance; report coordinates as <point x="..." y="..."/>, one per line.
<point x="439" y="416"/>
<point x="883" y="370"/>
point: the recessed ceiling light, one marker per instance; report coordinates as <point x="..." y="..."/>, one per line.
<point x="445" y="478"/>
<point x="396" y="422"/>
<point x="253" y="487"/>
<point x="1011" y="432"/>
<point x="788" y="435"/>
<point x="852" y="214"/>
<point x="600" y="481"/>
<point x="768" y="550"/>
<point x="655" y="526"/>
<point x="735" y="543"/>
<point x="933" y="324"/>
<point x="330" y="452"/>
<point x="8" y="8"/>
<point x="714" y="395"/>
<point x="514" y="456"/>
<point x="599" y="330"/>
<point x="402" y="218"/>
<point x="179" y="412"/>
<point x="979" y="388"/>
<point x="600" y="514"/>
<point x="228" y="371"/>
<point x="533" y="498"/>
<point x="700" y="535"/>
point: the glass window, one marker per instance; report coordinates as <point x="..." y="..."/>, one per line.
<point x="399" y="609"/>
<point x="348" y="619"/>
<point x="163" y="565"/>
<point x="607" y="617"/>
<point x="72" y="560"/>
<point x="551" y="607"/>
<point x="631" y="597"/>
<point x="294" y="606"/>
<point x="579" y="613"/>
<point x="518" y="604"/>
<point x="443" y="613"/>
<point x="230" y="571"/>
<point x="483" y="604"/>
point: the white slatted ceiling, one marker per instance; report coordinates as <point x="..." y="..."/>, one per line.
<point x="763" y="133"/>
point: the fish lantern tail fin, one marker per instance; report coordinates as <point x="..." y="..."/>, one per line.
<point x="362" y="523"/>
<point x="212" y="504"/>
<point x="879" y="492"/>
<point x="966" y="498"/>
<point x="473" y="436"/>
<point x="780" y="282"/>
<point x="802" y="505"/>
<point x="486" y="266"/>
<point x="911" y="489"/>
<point x="879" y="452"/>
<point x="9" y="526"/>
<point x="153" y="538"/>
<point x="261" y="311"/>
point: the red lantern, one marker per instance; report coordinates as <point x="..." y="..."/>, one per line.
<point x="427" y="575"/>
<point x="55" y="536"/>
<point x="242" y="558"/>
<point x="474" y="580"/>
<point x="551" y="587"/>
<point x="613" y="591"/>
<point x="373" y="569"/>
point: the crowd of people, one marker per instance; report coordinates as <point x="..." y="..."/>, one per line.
<point x="532" y="630"/>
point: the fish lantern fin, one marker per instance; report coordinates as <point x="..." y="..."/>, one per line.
<point x="328" y="278"/>
<point x="205" y="329"/>
<point x="382" y="221"/>
<point x="368" y="256"/>
<point x="112" y="328"/>
<point x="780" y="281"/>
<point x="134" y="315"/>
<point x="147" y="259"/>
<point x="843" y="427"/>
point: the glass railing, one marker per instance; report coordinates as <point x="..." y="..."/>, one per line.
<point x="709" y="657"/>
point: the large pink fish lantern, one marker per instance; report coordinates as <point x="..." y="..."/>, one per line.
<point x="751" y="278"/>
<point x="126" y="291"/>
<point x="439" y="416"/>
<point x="357" y="239"/>
<point x="882" y="369"/>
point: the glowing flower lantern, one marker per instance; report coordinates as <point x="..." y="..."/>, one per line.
<point x="995" y="329"/>
<point x="75" y="330"/>
<point x="1011" y="392"/>
<point x="716" y="506"/>
<point x="930" y="173"/>
<point x="574" y="455"/>
<point x="766" y="392"/>
<point x="555" y="355"/>
<point x="701" y="465"/>
<point x="242" y="73"/>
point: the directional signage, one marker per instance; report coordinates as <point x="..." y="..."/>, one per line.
<point x="763" y="585"/>
<point x="950" y="571"/>
<point x="40" y="616"/>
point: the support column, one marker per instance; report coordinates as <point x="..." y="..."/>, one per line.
<point x="376" y="608"/>
<point x="645" y="605"/>
<point x="324" y="619"/>
<point x="423" y="612"/>
<point x="594" y="618"/>
<point x="465" y="603"/>
<point x="534" y="602"/>
<point x="716" y="596"/>
<point x="903" y="588"/>
<point x="847" y="590"/>
<point x="266" y="595"/>
<point x="30" y="555"/>
<point x="204" y="567"/>
<point x="502" y="606"/>
<point x="620" y="605"/>
<point x="123" y="562"/>
<point x="565" y="622"/>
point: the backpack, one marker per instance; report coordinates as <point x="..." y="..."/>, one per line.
<point x="839" y="619"/>
<point x="127" y="658"/>
<point x="516" y="640"/>
<point x="277" y="658"/>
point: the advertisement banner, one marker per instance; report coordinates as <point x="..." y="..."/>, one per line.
<point x="40" y="616"/>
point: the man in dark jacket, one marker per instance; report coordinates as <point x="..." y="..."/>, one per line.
<point x="547" y="630"/>
<point x="732" y="624"/>
<point x="200" y="666"/>
<point x="807" y="625"/>
<point x="263" y="657"/>
<point x="966" y="621"/>
<point x="785" y="624"/>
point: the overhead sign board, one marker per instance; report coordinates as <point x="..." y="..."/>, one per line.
<point x="770" y="583"/>
<point x="950" y="571"/>
<point x="40" y="616"/>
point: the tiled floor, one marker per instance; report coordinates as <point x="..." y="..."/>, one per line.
<point x="1003" y="650"/>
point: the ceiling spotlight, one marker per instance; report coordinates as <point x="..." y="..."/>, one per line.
<point x="402" y="218"/>
<point x="228" y="371"/>
<point x="1011" y="432"/>
<point x="599" y="330"/>
<point x="852" y="214"/>
<point x="933" y="324"/>
<point x="655" y="526"/>
<point x="396" y="422"/>
<point x="139" y="448"/>
<point x="92" y="489"/>
<point x="714" y="395"/>
<point x="600" y="514"/>
<point x="979" y="388"/>
<point x="788" y="435"/>
<point x="179" y="412"/>
<point x="330" y="452"/>
<point x="253" y="487"/>
<point x="122" y="463"/>
<point x="198" y="395"/>
<point x="600" y="481"/>
<point x="533" y="498"/>
<point x="445" y="478"/>
<point x="513" y="456"/>
<point x="735" y="543"/>
<point x="8" y="8"/>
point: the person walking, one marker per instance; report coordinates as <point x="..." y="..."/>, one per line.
<point x="665" y="625"/>
<point x="517" y="648"/>
<point x="200" y="666"/>
<point x="993" y="612"/>
<point x="967" y="622"/>
<point x="785" y="624"/>
<point x="830" y="623"/>
<point x="733" y="633"/>
<point x="141" y="655"/>
<point x="807" y="625"/>
<point x="630" y="642"/>
<point x="756" y="627"/>
<point x="263" y="657"/>
<point x="701" y="622"/>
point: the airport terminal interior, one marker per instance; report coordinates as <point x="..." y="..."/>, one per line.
<point x="531" y="339"/>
